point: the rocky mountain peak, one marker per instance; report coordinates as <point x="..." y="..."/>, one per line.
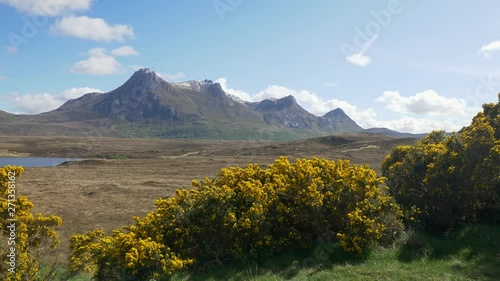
<point x="288" y="101"/>
<point x="146" y="80"/>
<point x="338" y="120"/>
<point x="336" y="113"/>
<point x="274" y="104"/>
<point x="146" y="73"/>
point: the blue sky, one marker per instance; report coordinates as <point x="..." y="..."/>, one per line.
<point x="411" y="66"/>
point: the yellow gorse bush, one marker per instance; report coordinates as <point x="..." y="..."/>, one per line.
<point x="450" y="181"/>
<point x="31" y="232"/>
<point x="245" y="213"/>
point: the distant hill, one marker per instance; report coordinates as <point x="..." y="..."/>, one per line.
<point x="392" y="133"/>
<point x="146" y="106"/>
<point x="5" y="115"/>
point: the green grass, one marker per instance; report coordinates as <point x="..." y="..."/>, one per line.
<point x="471" y="254"/>
<point x="58" y="272"/>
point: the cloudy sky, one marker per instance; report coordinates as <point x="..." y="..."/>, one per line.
<point x="412" y="66"/>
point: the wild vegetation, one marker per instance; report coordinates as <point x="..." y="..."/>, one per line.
<point x="23" y="234"/>
<point x="246" y="213"/>
<point x="259" y="221"/>
<point x="450" y="180"/>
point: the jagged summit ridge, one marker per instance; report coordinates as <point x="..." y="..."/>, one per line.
<point x="195" y="85"/>
<point x="148" y="74"/>
<point x="144" y="80"/>
<point x="274" y="104"/>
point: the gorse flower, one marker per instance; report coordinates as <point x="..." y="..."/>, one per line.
<point x="247" y="212"/>
<point x="447" y="181"/>
<point x="31" y="232"/>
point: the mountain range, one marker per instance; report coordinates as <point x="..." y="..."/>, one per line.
<point x="146" y="106"/>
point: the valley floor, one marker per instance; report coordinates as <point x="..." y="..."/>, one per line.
<point x="123" y="177"/>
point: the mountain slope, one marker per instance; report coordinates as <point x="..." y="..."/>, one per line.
<point x="285" y="112"/>
<point x="147" y="106"/>
<point x="5" y="115"/>
<point x="337" y="120"/>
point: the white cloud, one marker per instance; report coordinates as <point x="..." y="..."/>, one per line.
<point x="237" y="93"/>
<point x="35" y="103"/>
<point x="407" y="124"/>
<point x="124" y="51"/>
<point x="95" y="29"/>
<point x="3" y="78"/>
<point x="43" y="102"/>
<point x="427" y="102"/>
<point x="172" y="76"/>
<point x="11" y="50"/>
<point x="393" y="98"/>
<point x="359" y="59"/>
<point x="75" y="93"/>
<point x="441" y="113"/>
<point x="487" y="49"/>
<point x="50" y="8"/>
<point x="99" y="62"/>
<point x="368" y="118"/>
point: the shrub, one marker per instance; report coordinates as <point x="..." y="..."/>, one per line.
<point x="245" y="213"/>
<point x="453" y="180"/>
<point x="31" y="233"/>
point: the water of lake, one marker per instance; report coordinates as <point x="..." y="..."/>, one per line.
<point x="28" y="162"/>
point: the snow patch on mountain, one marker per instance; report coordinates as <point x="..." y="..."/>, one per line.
<point x="199" y="85"/>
